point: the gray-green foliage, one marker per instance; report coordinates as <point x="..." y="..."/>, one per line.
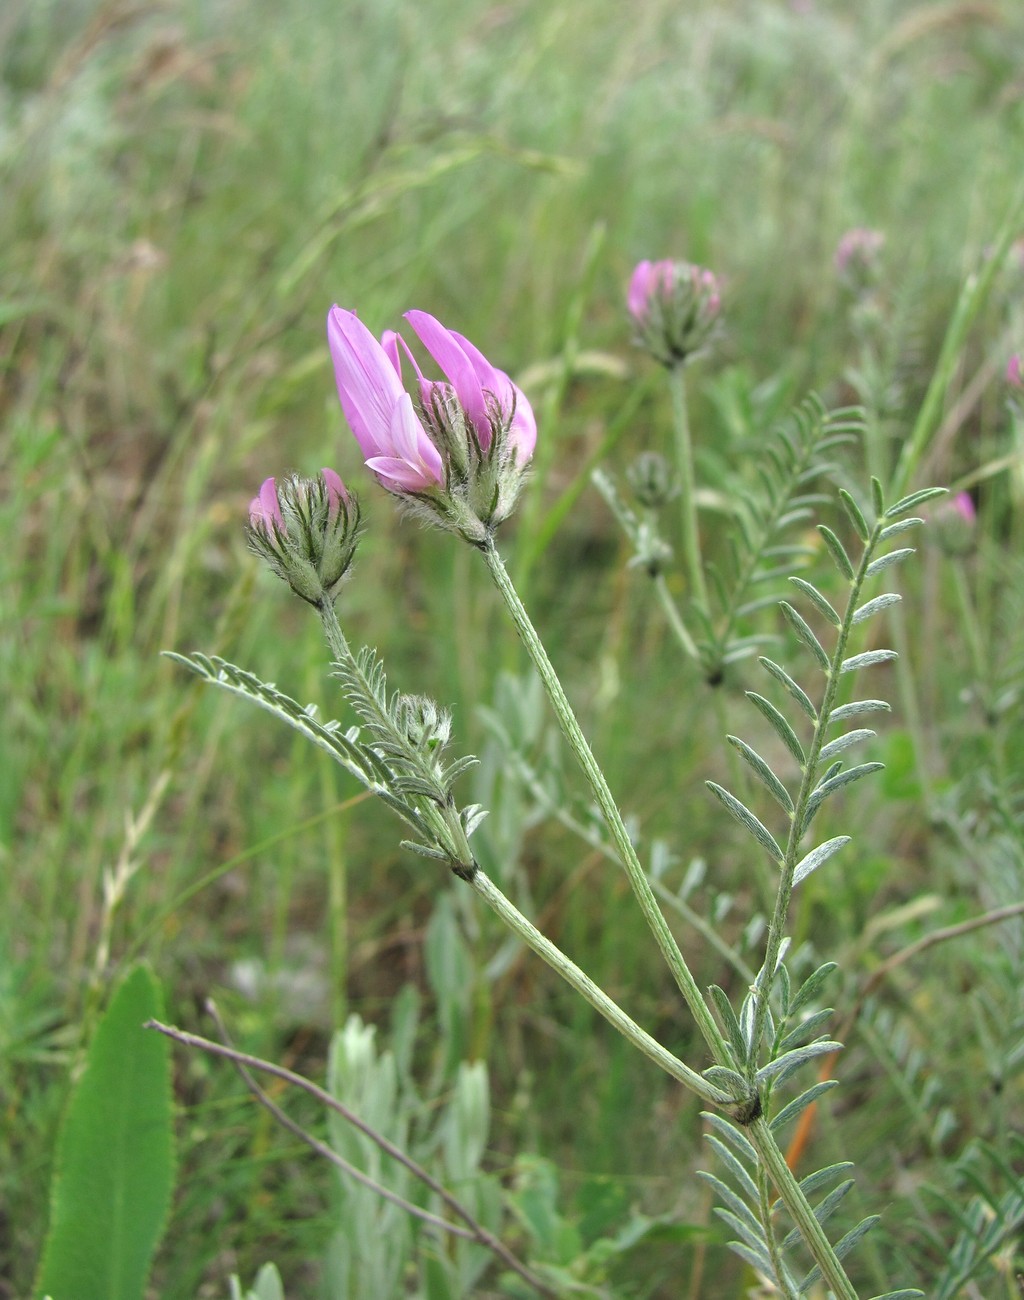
<point x="377" y="1246"/>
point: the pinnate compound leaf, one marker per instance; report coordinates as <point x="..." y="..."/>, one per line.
<point x="779" y="724"/>
<point x="838" y="552"/>
<point x="802" y="628"/>
<point x="894" y="530"/>
<point x="732" y="1134"/>
<point x="910" y="502"/>
<point x="729" y="1022"/>
<point x="856" y="707"/>
<point x="799" y="1104"/>
<point x="747" y="819"/>
<point x="734" y="1166"/>
<point x="813" y="860"/>
<point x="820" y="602"/>
<point x="866" y="660"/>
<point x="816" y="1181"/>
<point x="875" y="606"/>
<point x="736" y="1204"/>
<point x="823" y="1211"/>
<point x="115" y="1156"/>
<point x="763" y="773"/>
<point x="856" y="515"/>
<point x="887" y="561"/>
<point x="797" y="692"/>
<point x="806" y="1029"/>
<point x="842" y="1248"/>
<point x="790" y="1061"/>
<point x="809" y="989"/>
<point x="833" y="783"/>
<point x="842" y="743"/>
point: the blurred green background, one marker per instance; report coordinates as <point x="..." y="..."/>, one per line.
<point x="186" y="189"/>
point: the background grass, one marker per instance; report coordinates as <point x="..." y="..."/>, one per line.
<point x="186" y="190"/>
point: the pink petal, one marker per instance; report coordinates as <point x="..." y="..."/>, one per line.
<point x="443" y="346"/>
<point x="368" y="384"/>
<point x="639" y="289"/>
<point x="336" y="492"/>
<point x="523" y="431"/>
<point x="265" y="509"/>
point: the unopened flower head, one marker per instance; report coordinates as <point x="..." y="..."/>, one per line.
<point x="306" y="529"/>
<point x="857" y="256"/>
<point x="651" y="479"/>
<point x="460" y="451"/>
<point x="956" y="520"/>
<point x="675" y="308"/>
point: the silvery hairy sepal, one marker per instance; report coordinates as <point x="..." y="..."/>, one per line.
<point x="306" y="529"/>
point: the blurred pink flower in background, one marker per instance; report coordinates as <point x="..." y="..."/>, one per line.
<point x="675" y="308"/>
<point x="857" y="251"/>
<point x="1014" y="372"/>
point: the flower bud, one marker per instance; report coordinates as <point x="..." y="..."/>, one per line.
<point x="857" y="257"/>
<point x="306" y="529"/>
<point x="675" y="308"/>
<point x="651" y="480"/>
<point x="956" y="520"/>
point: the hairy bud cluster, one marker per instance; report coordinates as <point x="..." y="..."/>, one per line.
<point x="676" y="310"/>
<point x="306" y="529"/>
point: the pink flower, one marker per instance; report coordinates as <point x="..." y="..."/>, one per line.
<point x="487" y="396"/>
<point x="858" y="250"/>
<point x="1015" y="372"/>
<point x="379" y="410"/>
<point x="411" y="452"/>
<point x="964" y="506"/>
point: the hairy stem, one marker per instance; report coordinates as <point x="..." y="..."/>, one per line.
<point x="590" y="992"/>
<point x="687" y="489"/>
<point x="613" y="818"/>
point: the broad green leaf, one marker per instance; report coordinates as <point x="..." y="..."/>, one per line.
<point x="115" y="1157"/>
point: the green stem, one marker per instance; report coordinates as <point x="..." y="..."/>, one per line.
<point x="588" y="990"/>
<point x="687" y="489"/>
<point x="613" y="818"/>
<point x="674" y="618"/>
<point x="799" y="1209"/>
